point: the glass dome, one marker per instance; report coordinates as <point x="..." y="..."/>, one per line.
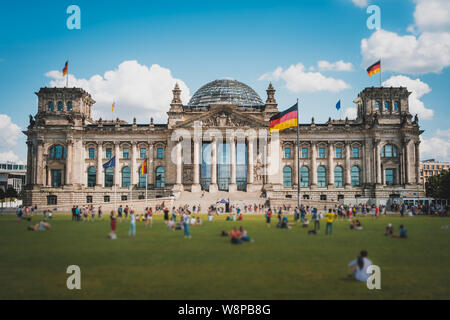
<point x="225" y="92"/>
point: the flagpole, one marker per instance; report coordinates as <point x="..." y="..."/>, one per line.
<point x="380" y="73"/>
<point x="298" y="158"/>
<point x="146" y="189"/>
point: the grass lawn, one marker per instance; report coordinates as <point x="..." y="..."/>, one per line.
<point x="280" y="264"/>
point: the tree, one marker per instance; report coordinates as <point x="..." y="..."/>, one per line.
<point x="2" y="195"/>
<point x="438" y="186"/>
<point x="11" y="193"/>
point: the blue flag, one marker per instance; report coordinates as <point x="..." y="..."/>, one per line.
<point x="110" y="163"/>
<point x="338" y="105"/>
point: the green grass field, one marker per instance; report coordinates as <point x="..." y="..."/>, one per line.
<point x="280" y="264"/>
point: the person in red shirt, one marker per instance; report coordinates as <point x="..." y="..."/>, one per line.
<point x="268" y="216"/>
<point x="236" y="236"/>
<point x="377" y="211"/>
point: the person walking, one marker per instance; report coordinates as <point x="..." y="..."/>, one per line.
<point x="330" y="220"/>
<point x="316" y="219"/>
<point x="132" y="231"/>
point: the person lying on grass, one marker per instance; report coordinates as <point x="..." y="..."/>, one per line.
<point x="359" y="267"/>
<point x="305" y="223"/>
<point x="236" y="236"/>
<point x="41" y="226"/>
<point x="355" y="225"/>
<point x="245" y="236"/>
<point x="389" y="230"/>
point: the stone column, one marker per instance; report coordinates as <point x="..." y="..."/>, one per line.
<point x="417" y="149"/>
<point x="296" y="180"/>
<point x="117" y="167"/>
<point x="40" y="168"/>
<point x="330" y="164"/>
<point x="348" y="175"/>
<point x="233" y="185"/>
<point x="250" y="162"/>
<point x="379" y="177"/>
<point x="363" y="168"/>
<point x="313" y="164"/>
<point x="196" y="187"/>
<point x="407" y="164"/>
<point x="213" y="186"/>
<point x="69" y="163"/>
<point x="151" y="167"/>
<point x="134" y="168"/>
<point x="100" y="180"/>
<point x="179" y="167"/>
<point x="29" y="176"/>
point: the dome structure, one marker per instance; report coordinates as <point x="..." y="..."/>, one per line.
<point x="225" y="92"/>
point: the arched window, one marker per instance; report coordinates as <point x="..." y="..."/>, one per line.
<point x="304" y="177"/>
<point x="160" y="177"/>
<point x="142" y="179"/>
<point x="338" y="176"/>
<point x="389" y="151"/>
<point x="92" y="177"/>
<point x="356" y="181"/>
<point x="109" y="177"/>
<point x="321" y="176"/>
<point x="287" y="177"/>
<point x="57" y="152"/>
<point x="69" y="105"/>
<point x="51" y="106"/>
<point x="126" y="177"/>
<point x="60" y="106"/>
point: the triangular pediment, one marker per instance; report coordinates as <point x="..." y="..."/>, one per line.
<point x="223" y="118"/>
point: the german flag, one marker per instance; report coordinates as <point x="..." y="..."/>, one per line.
<point x="285" y="119"/>
<point x="375" y="68"/>
<point x="66" y="69"/>
<point x="144" y="167"/>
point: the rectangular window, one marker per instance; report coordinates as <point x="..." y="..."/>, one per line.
<point x="160" y="153"/>
<point x="52" y="200"/>
<point x="387" y="106"/>
<point x="396" y="105"/>
<point x="126" y="153"/>
<point x="323" y="197"/>
<point x="355" y="152"/>
<point x="124" y="198"/>
<point x="56" y="178"/>
<point x="377" y="105"/>
<point x="321" y="153"/>
<point x="91" y="153"/>
<point x="339" y="153"/>
<point x="305" y="153"/>
<point x="108" y="153"/>
<point x="390" y="176"/>
<point x="143" y="153"/>
<point x="106" y="199"/>
<point x="89" y="199"/>
<point x="287" y="153"/>
<point x="340" y="197"/>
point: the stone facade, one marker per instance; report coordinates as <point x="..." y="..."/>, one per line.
<point x="374" y="157"/>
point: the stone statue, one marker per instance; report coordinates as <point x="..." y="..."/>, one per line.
<point x="258" y="168"/>
<point x="32" y="122"/>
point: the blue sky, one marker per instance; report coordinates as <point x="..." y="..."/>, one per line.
<point x="195" y="42"/>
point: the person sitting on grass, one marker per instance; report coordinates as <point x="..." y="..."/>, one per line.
<point x="41" y="226"/>
<point x="244" y="234"/>
<point x="198" y="222"/>
<point x="228" y="218"/>
<point x="359" y="267"/>
<point x="240" y="218"/>
<point x="171" y="225"/>
<point x="236" y="236"/>
<point x="402" y="234"/>
<point x="305" y="223"/>
<point x="389" y="230"/>
<point x="355" y="225"/>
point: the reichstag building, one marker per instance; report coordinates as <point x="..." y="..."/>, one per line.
<point x="220" y="141"/>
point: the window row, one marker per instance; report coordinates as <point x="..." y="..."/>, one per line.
<point x="322" y="176"/>
<point x="387" y="106"/>
<point x="160" y="177"/>
<point x="60" y="106"/>
<point x="126" y="153"/>
<point x="321" y="153"/>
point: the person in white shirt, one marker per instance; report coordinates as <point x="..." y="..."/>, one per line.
<point x="359" y="267"/>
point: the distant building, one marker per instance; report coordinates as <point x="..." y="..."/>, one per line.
<point x="431" y="167"/>
<point x="12" y="175"/>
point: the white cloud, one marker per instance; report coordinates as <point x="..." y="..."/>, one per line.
<point x="137" y="90"/>
<point x="418" y="88"/>
<point x="432" y="14"/>
<point x="335" y="66"/>
<point x="10" y="132"/>
<point x="10" y="156"/>
<point x="437" y="147"/>
<point x="298" y="80"/>
<point x="361" y="3"/>
<point x="429" y="52"/>
<point x="350" y="113"/>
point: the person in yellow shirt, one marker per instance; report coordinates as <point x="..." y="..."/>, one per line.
<point x="330" y="219"/>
